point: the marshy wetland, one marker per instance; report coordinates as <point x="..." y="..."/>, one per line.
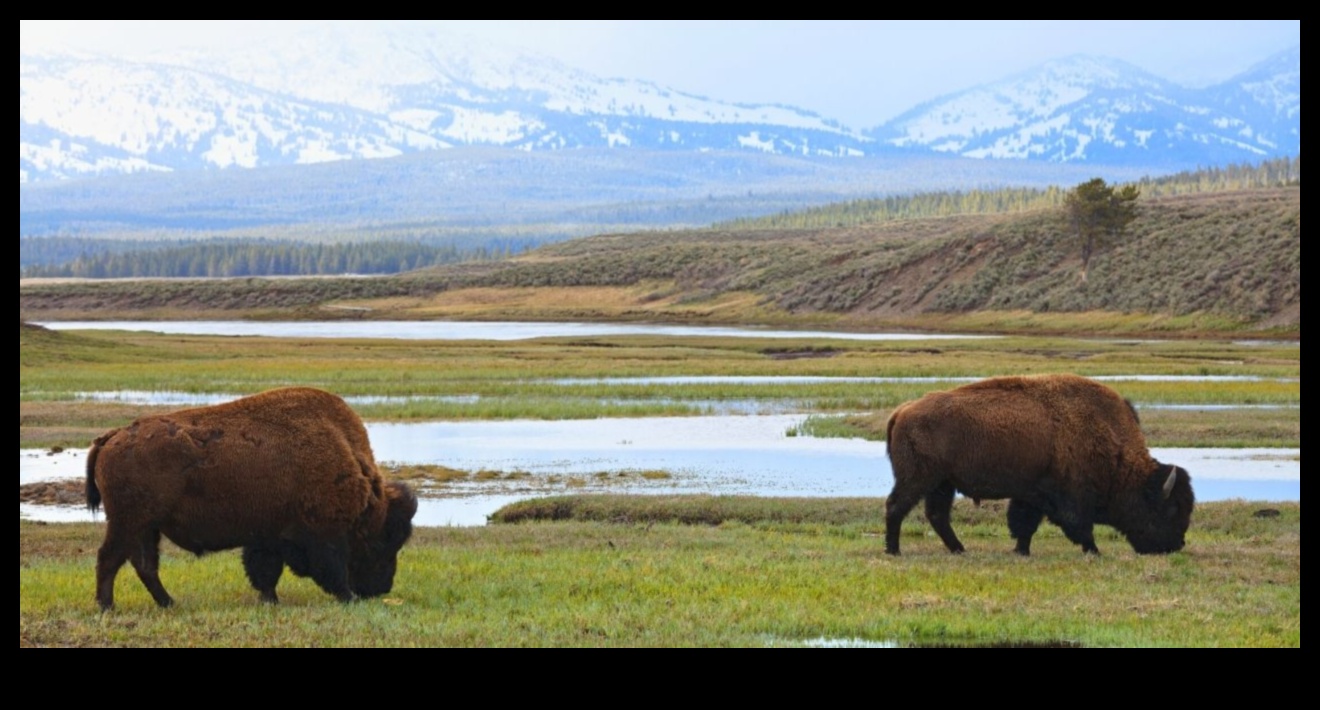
<point x="685" y="489"/>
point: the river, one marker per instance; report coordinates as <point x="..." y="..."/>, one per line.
<point x="747" y="455"/>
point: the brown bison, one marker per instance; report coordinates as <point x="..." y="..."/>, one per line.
<point x="1056" y="446"/>
<point x="288" y="475"/>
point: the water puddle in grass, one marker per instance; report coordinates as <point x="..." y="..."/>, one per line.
<point x="1216" y="407"/>
<point x="867" y="643"/>
<point x="202" y="399"/>
<point x="734" y="455"/>
<point x="727" y="406"/>
<point x="457" y="330"/>
<point x="822" y="379"/>
<point x="745" y="405"/>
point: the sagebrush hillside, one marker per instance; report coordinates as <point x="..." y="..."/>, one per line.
<point x="1234" y="256"/>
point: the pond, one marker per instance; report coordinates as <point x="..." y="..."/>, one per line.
<point x="459" y="330"/>
<point x="747" y="405"/>
<point x="746" y="455"/>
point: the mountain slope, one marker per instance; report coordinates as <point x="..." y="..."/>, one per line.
<point x="337" y="92"/>
<point x="1103" y="110"/>
<point x="1235" y="254"/>
<point x="151" y="116"/>
<point x="1269" y="99"/>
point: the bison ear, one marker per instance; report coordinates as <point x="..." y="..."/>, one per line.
<point x="403" y="501"/>
<point x="399" y="515"/>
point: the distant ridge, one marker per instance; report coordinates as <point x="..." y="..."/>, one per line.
<point x="385" y="93"/>
<point x="1097" y="109"/>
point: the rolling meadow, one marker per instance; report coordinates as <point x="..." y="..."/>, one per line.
<point x="567" y="569"/>
<point x="1198" y="311"/>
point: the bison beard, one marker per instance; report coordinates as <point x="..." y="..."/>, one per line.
<point x="287" y="475"/>
<point x="1060" y="447"/>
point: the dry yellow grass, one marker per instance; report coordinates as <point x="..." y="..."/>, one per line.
<point x="660" y="301"/>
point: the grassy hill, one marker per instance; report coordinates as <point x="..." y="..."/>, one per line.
<point x="1213" y="262"/>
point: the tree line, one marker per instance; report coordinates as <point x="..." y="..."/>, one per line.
<point x="923" y="204"/>
<point x="1275" y="172"/>
<point x="245" y="258"/>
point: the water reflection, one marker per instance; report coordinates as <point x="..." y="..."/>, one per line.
<point x="199" y="399"/>
<point x="696" y="406"/>
<point x="710" y="406"/>
<point x="821" y="379"/>
<point x="748" y="455"/>
<point x="455" y="330"/>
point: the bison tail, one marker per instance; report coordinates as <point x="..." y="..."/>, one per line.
<point x="889" y="432"/>
<point x="90" y="489"/>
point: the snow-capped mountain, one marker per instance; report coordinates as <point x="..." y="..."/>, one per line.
<point x="340" y="92"/>
<point x="377" y="93"/>
<point x="1104" y="110"/>
<point x="81" y="114"/>
<point x="1268" y="98"/>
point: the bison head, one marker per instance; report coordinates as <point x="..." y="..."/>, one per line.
<point x="371" y="570"/>
<point x="1161" y="516"/>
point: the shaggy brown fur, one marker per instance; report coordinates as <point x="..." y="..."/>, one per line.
<point x="288" y="475"/>
<point x="1057" y="446"/>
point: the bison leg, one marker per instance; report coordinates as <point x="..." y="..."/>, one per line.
<point x="1078" y="528"/>
<point x="146" y="562"/>
<point x="109" y="559"/>
<point x="1083" y="535"/>
<point x="326" y="562"/>
<point x="899" y="503"/>
<point x="331" y="574"/>
<point x="143" y="550"/>
<point x="939" y="505"/>
<point x="264" y="565"/>
<point x="1023" y="520"/>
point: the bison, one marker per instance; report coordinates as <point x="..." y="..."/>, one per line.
<point x="288" y="475"/>
<point x="1061" y="447"/>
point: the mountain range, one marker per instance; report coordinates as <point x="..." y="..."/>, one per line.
<point x="336" y="93"/>
<point x="1103" y="110"/>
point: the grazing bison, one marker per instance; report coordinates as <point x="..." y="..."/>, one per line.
<point x="1056" y="446"/>
<point x="288" y="475"/>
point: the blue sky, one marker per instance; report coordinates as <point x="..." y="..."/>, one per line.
<point x="860" y="72"/>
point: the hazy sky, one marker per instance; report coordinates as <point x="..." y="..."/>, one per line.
<point x="861" y="72"/>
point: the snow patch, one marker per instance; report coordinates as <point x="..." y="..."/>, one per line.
<point x="479" y="126"/>
<point x="754" y="140"/>
<point x="418" y="119"/>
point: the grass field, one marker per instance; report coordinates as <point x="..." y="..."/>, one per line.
<point x="626" y="571"/>
<point x="457" y="380"/>
<point x="619" y="571"/>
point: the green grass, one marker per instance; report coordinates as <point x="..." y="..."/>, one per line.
<point x="514" y="380"/>
<point x="442" y="480"/>
<point x="1192" y="428"/>
<point x="794" y="573"/>
<point x="624" y="571"/>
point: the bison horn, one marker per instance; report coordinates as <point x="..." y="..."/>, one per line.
<point x="1168" y="482"/>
